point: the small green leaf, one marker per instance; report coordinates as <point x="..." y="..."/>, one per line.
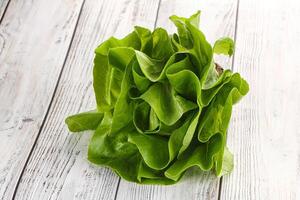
<point x="84" y="121"/>
<point x="224" y="46"/>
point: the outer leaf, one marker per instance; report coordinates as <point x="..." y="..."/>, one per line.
<point x="84" y="121"/>
<point x="148" y="146"/>
<point x="114" y="152"/>
<point x="201" y="155"/>
<point x="224" y="46"/>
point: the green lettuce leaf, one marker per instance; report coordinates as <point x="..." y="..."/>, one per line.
<point x="162" y="105"/>
<point x="224" y="46"/>
<point x="84" y="121"/>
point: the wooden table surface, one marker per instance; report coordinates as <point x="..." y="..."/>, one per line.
<point x="46" y="56"/>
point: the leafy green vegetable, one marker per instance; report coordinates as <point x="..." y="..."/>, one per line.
<point x="162" y="106"/>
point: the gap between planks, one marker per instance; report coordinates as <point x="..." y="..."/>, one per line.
<point x="51" y="101"/>
<point x="3" y="7"/>
<point x="232" y="68"/>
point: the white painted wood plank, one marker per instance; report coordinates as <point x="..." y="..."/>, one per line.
<point x="58" y="167"/>
<point x="217" y="20"/>
<point x="3" y="4"/>
<point x="35" y="37"/>
<point x="264" y="134"/>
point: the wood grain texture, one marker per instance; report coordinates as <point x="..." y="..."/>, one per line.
<point x="264" y="134"/>
<point x="58" y="167"/>
<point x="217" y="20"/>
<point x="3" y="5"/>
<point x="32" y="52"/>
